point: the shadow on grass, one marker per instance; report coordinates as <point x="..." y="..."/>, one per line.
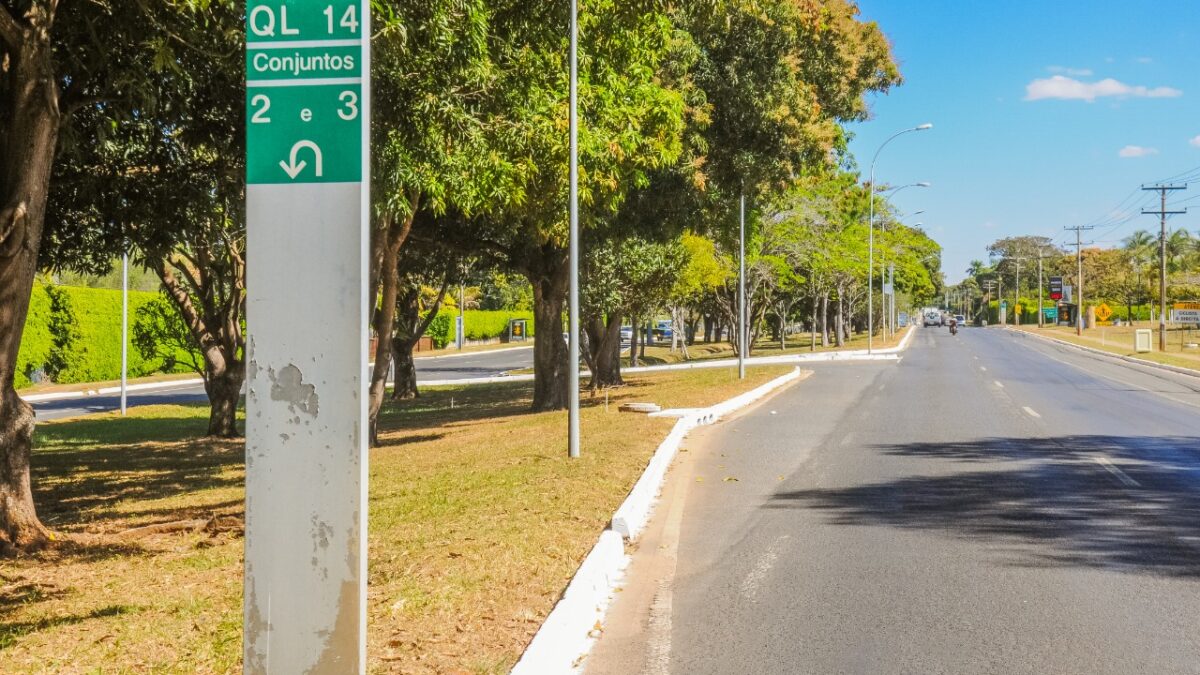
<point x="12" y="631"/>
<point x="443" y="407"/>
<point x="1047" y="502"/>
<point x="85" y="465"/>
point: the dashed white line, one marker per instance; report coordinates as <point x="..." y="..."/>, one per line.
<point x="1031" y="412"/>
<point x="1121" y="475"/>
<point x="999" y="384"/>
<point x="983" y="368"/>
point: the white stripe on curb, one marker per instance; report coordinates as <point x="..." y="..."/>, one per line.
<point x="567" y="634"/>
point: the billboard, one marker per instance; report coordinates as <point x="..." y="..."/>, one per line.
<point x="1056" y="288"/>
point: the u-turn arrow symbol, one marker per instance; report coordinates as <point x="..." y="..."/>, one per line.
<point x="292" y="169"/>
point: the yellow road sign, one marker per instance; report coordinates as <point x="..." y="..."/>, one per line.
<point x="1187" y="305"/>
<point x="1104" y="312"/>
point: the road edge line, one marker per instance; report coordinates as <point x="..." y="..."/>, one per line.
<point x="568" y="633"/>
<point x="1117" y="357"/>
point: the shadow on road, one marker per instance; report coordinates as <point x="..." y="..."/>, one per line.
<point x="1045" y="502"/>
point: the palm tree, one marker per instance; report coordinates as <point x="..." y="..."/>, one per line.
<point x="1143" y="250"/>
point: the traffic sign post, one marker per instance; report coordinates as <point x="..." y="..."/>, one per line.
<point x="307" y="171"/>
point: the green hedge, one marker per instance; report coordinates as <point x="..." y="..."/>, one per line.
<point x="479" y="325"/>
<point x="96" y="355"/>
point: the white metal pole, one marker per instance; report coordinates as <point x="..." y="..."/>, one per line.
<point x="871" y="259"/>
<point x="124" y="332"/>
<point x="743" y="315"/>
<point x="573" y="319"/>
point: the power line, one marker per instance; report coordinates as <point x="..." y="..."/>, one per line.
<point x="1162" y="213"/>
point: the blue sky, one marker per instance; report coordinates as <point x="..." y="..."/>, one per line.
<point x="1046" y="114"/>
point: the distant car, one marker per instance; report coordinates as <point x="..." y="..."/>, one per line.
<point x="626" y="334"/>
<point x="663" y="330"/>
<point x="933" y="319"/>
<point x="962" y="320"/>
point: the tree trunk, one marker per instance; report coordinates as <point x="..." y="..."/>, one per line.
<point x="825" y="320"/>
<point x="396" y="233"/>
<point x="839" y="325"/>
<point x="633" y="342"/>
<point x="224" y="392"/>
<point x="605" y="342"/>
<point x="550" y="355"/>
<point x="405" y="387"/>
<point x="26" y="159"/>
<point x="812" y="326"/>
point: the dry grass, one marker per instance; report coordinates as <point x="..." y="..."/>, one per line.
<point x="796" y="344"/>
<point x="477" y="522"/>
<point x="1120" y="340"/>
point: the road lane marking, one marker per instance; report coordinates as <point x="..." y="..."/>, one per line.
<point x="1031" y="412"/>
<point x="983" y="368"/>
<point x="1121" y="475"/>
<point x="999" y="384"/>
<point x="761" y="568"/>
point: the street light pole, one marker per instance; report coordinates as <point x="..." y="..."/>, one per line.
<point x="743" y="316"/>
<point x="871" y="235"/>
<point x="124" y="332"/>
<point x="573" y="318"/>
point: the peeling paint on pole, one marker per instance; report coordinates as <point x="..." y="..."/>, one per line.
<point x="306" y="455"/>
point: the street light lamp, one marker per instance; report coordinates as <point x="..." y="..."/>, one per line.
<point x="888" y="312"/>
<point x="871" y="235"/>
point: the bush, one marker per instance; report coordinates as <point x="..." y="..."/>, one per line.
<point x="487" y="325"/>
<point x="36" y="342"/>
<point x="94" y="355"/>
<point x="441" y="329"/>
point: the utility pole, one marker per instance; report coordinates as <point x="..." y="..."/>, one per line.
<point x="1078" y="229"/>
<point x="1017" y="299"/>
<point x="573" y="433"/>
<point x="1162" y="213"/>
<point x="1041" y="314"/>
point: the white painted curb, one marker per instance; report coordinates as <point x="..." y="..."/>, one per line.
<point x="567" y="634"/>
<point x="146" y="386"/>
<point x="1109" y="355"/>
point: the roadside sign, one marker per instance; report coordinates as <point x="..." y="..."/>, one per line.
<point x="1191" y="316"/>
<point x="307" y="175"/>
<point x="1056" y="288"/>
<point x="1187" y="305"/>
<point x="1050" y="313"/>
<point x="1103" y="312"/>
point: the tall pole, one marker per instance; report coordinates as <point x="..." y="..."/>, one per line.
<point x="1041" y="314"/>
<point x="1162" y="213"/>
<point x="124" y="332"/>
<point x="1078" y="229"/>
<point x="573" y="319"/>
<point x="1017" y="299"/>
<point x="871" y="235"/>
<point x="743" y="315"/>
<point x="462" y="317"/>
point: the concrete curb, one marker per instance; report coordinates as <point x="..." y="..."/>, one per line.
<point x="479" y="352"/>
<point x="568" y="633"/>
<point x="1116" y="357"/>
<point x="147" y="386"/>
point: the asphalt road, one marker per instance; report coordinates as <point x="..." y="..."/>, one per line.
<point x="451" y="367"/>
<point x="990" y="504"/>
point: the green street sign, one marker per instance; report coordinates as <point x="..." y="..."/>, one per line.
<point x="304" y="70"/>
<point x="1051" y="313"/>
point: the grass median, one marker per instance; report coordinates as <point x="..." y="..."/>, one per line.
<point x="477" y="522"/>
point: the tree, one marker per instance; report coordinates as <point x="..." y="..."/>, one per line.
<point x="96" y="57"/>
<point x="701" y="275"/>
<point x="431" y="149"/>
<point x="168" y="183"/>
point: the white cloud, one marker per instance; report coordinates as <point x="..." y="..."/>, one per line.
<point x="1069" y="89"/>
<point x="1195" y="142"/>
<point x="1144" y="59"/>
<point x="1136" y="151"/>
<point x="1073" y="72"/>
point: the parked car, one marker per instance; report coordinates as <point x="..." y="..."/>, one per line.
<point x="962" y="320"/>
<point x="626" y="334"/>
<point x="663" y="331"/>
